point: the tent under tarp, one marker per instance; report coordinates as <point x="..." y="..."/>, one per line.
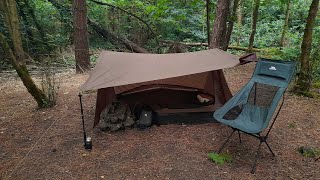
<point x="168" y="83"/>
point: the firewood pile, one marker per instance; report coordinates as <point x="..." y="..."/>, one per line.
<point x="116" y="116"/>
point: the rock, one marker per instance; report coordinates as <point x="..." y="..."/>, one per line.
<point x="115" y="117"/>
<point x="115" y="127"/>
<point x="129" y="122"/>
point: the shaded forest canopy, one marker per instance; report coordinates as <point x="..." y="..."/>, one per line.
<point x="144" y="25"/>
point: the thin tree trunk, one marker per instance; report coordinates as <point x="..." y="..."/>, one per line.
<point x="26" y="23"/>
<point x="254" y="23"/>
<point x="11" y="19"/>
<point x="233" y="17"/>
<point x="81" y="36"/>
<point x="239" y="22"/>
<point x="208" y="20"/>
<point x="65" y="17"/>
<point x="38" y="26"/>
<point x="304" y="79"/>
<point x="218" y="36"/>
<point x="9" y="10"/>
<point x="24" y="75"/>
<point x="285" y="26"/>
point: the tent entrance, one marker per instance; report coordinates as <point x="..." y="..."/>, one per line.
<point x="165" y="97"/>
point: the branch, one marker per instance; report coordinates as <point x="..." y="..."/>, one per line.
<point x="143" y="21"/>
<point x="105" y="33"/>
<point x="109" y="35"/>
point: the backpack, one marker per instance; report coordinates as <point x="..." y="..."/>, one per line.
<point x="145" y="119"/>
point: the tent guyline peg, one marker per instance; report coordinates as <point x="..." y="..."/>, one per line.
<point x="86" y="139"/>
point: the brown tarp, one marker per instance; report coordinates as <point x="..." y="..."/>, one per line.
<point x="160" y="80"/>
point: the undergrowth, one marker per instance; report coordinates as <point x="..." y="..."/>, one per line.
<point x="221" y="158"/>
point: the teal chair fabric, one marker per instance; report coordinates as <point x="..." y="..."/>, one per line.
<point x="252" y="108"/>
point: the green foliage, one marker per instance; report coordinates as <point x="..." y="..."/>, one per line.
<point x="291" y="125"/>
<point x="221" y="158"/>
<point x="182" y="20"/>
<point x="309" y="151"/>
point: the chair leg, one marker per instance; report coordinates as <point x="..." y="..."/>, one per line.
<point x="270" y="149"/>
<point x="226" y="142"/>
<point x="253" y="170"/>
<point x="239" y="137"/>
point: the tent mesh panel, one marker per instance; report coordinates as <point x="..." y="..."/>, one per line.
<point x="260" y="95"/>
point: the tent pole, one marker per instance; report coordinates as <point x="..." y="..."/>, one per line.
<point x="82" y="117"/>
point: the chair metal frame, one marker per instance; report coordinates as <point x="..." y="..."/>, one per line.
<point x="263" y="139"/>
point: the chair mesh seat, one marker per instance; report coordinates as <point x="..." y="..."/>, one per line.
<point x="261" y="95"/>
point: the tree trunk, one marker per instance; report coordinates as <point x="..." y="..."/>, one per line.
<point x="285" y="26"/>
<point x="233" y="17"/>
<point x="104" y="32"/>
<point x="254" y="23"/>
<point x="10" y="14"/>
<point x="304" y="79"/>
<point x="81" y="36"/>
<point x="239" y="22"/>
<point x="11" y="19"/>
<point x="26" y="23"/>
<point x="43" y="37"/>
<point x="218" y="36"/>
<point x="208" y="20"/>
<point x="24" y="75"/>
<point x="217" y="40"/>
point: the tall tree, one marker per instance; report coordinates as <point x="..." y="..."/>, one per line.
<point x="208" y="20"/>
<point x="218" y="35"/>
<point x="10" y="14"/>
<point x="255" y="14"/>
<point x="232" y="19"/>
<point x="81" y="36"/>
<point x="239" y="22"/>
<point x="218" y="38"/>
<point x="304" y="79"/>
<point x="286" y="23"/>
<point x="17" y="57"/>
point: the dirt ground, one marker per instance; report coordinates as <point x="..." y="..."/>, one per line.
<point x="48" y="143"/>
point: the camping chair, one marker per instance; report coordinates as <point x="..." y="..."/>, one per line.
<point x="252" y="108"/>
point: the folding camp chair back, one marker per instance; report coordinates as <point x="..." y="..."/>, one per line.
<point x="252" y="108"/>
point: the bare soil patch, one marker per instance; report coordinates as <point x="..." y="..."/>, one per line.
<point x="48" y="144"/>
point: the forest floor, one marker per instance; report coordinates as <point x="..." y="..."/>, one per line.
<point x="48" y="143"/>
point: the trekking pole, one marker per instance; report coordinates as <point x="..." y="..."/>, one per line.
<point x="87" y="140"/>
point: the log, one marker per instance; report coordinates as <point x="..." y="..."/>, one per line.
<point x="115" y="38"/>
<point x="206" y="44"/>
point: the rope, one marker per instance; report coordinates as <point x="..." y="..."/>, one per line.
<point x="31" y="149"/>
